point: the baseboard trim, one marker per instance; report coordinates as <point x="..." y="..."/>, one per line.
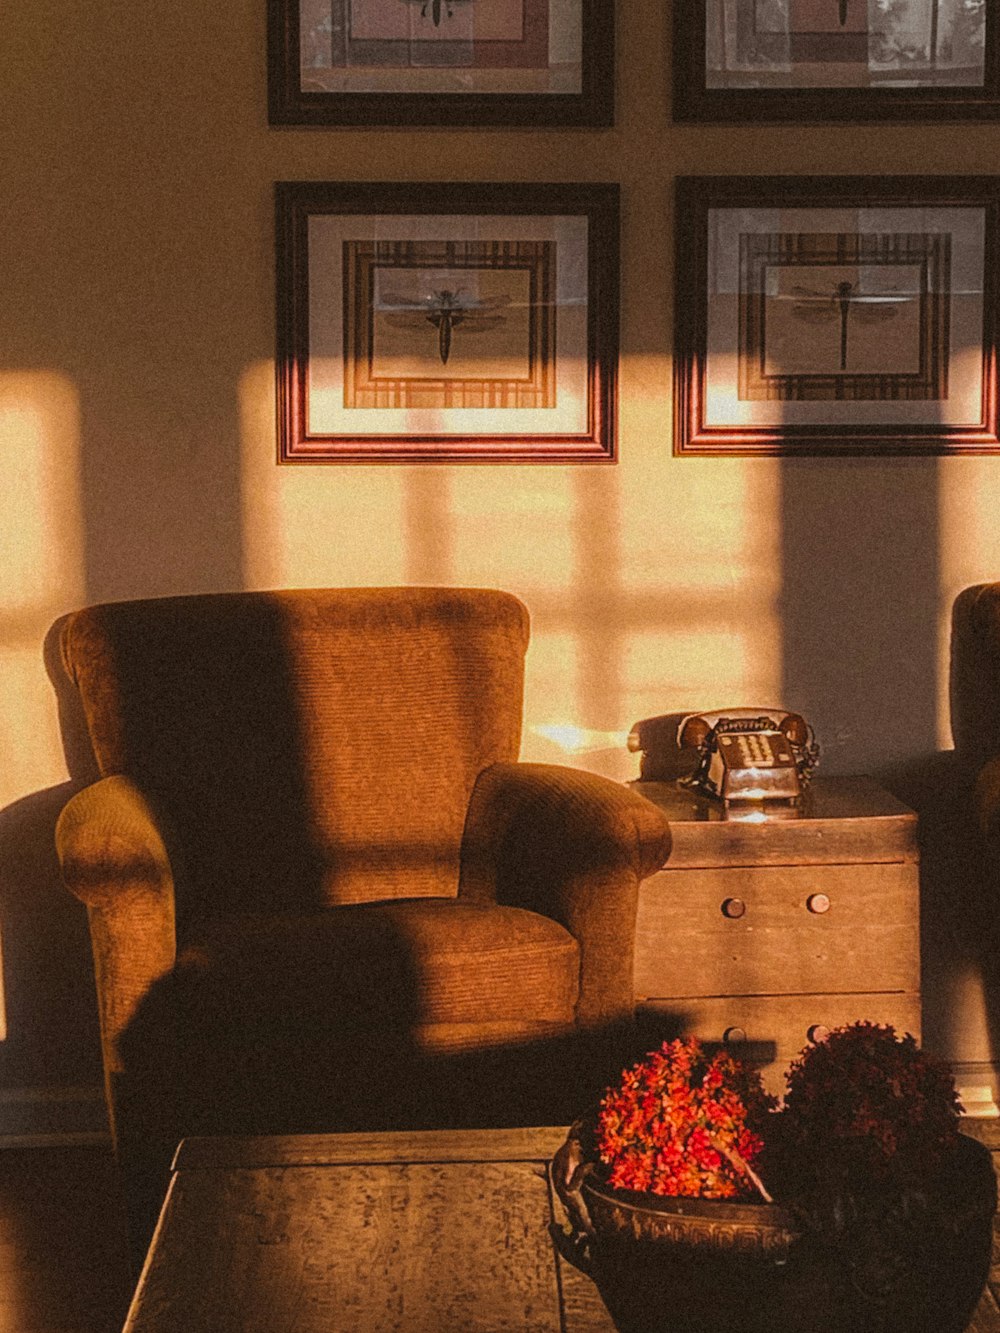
<point x="54" y="1140"/>
<point x="978" y="1086"/>
<point x="52" y="1116"/>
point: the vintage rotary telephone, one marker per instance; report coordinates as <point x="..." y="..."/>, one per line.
<point x="736" y="754"/>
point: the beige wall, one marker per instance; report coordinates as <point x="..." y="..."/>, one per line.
<point x="137" y="430"/>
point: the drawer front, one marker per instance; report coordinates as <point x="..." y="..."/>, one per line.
<point x="771" y="1030"/>
<point x="779" y="930"/>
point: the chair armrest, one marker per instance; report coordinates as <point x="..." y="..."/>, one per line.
<point x="573" y="846"/>
<point x="114" y="859"/>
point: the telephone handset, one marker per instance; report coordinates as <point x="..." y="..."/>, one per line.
<point x="737" y="754"/>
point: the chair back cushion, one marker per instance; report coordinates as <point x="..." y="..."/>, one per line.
<point x="975" y="672"/>
<point x="309" y="747"/>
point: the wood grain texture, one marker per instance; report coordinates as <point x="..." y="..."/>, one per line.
<point x="868" y="940"/>
<point x="440" y="1231"/>
<point x="774" y="969"/>
<point x="841" y="820"/>
<point x="432" y="1145"/>
<point x="63" y="1257"/>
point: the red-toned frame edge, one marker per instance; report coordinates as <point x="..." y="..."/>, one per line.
<point x="696" y="195"/>
<point x="297" y="201"/>
<point x="694" y="101"/>
<point x="593" y="105"/>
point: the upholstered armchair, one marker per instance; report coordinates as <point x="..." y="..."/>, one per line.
<point x="965" y="927"/>
<point x="322" y="892"/>
<point x="975" y="725"/>
<point x="975" y="694"/>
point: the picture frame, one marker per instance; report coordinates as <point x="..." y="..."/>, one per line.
<point x="836" y="315"/>
<point x="441" y="62"/>
<point x="835" y="60"/>
<point x="447" y="322"/>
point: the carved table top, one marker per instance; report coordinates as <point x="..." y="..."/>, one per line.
<point x="371" y="1233"/>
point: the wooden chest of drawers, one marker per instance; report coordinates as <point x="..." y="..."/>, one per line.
<point x="765" y="932"/>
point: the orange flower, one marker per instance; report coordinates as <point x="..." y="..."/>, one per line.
<point x="679" y="1124"/>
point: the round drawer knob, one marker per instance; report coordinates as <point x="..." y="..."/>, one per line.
<point x="733" y="907"/>
<point x="818" y="903"/>
<point x="732" y="1035"/>
<point x="818" y="1032"/>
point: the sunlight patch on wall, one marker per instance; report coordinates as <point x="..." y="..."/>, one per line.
<point x="700" y="669"/>
<point x="549" y="696"/>
<point x="311" y="526"/>
<point x="578" y="740"/>
<point x="517" y="524"/>
<point x="41" y="570"/>
<point x="669" y="597"/>
<point x="708" y="526"/>
<point x="663" y="582"/>
<point x="652" y="585"/>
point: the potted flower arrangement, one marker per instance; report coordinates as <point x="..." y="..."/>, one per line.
<point x="894" y="1203"/>
<point x="857" y="1206"/>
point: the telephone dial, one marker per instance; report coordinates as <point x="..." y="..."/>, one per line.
<point x="734" y="754"/>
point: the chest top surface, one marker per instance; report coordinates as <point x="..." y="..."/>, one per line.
<point x="838" y="820"/>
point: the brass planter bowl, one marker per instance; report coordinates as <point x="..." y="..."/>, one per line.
<point x="909" y="1261"/>
<point x="712" y="1226"/>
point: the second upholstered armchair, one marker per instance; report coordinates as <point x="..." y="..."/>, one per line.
<point x="975" y="697"/>
<point x="322" y="892"/>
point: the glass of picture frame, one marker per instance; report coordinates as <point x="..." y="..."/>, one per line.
<point x="848" y="60"/>
<point x="447" y="322"/>
<point x="836" y="315"/>
<point x="441" y="62"/>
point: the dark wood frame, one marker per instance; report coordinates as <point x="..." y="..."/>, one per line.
<point x="696" y="195"/>
<point x="297" y="201"/>
<point x="593" y="105"/>
<point x="693" y="101"/>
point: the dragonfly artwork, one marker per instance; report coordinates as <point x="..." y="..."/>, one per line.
<point x="437" y="9"/>
<point x="843" y="300"/>
<point x="446" y="311"/>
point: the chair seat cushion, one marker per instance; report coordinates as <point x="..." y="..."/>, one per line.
<point x="401" y="1014"/>
<point x="401" y="965"/>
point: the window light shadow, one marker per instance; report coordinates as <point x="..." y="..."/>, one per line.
<point x="40" y="576"/>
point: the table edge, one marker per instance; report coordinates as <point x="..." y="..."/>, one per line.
<point x="234" y="1152"/>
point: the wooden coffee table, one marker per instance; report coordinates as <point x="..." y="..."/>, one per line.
<point x="435" y="1232"/>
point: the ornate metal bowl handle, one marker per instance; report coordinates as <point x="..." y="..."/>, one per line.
<point x="567" y="1171"/>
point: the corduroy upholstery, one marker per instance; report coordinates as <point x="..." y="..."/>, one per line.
<point x="319" y="884"/>
<point x="316" y="747"/>
<point x="960" y="828"/>
<point x="461" y="963"/>
<point x="975" y="703"/>
<point x="975" y="673"/>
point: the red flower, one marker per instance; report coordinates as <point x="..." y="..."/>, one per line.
<point x="679" y="1124"/>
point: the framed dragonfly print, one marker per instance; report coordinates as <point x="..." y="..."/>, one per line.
<point x="448" y="322"/>
<point x="852" y="60"/>
<point x="836" y="315"/>
<point x="441" y="62"/>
